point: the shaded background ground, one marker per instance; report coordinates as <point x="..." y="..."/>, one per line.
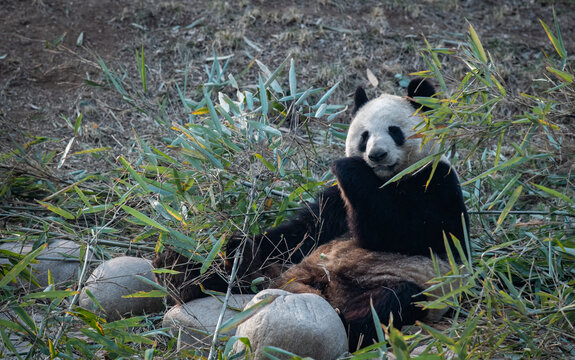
<point x="49" y="49"/>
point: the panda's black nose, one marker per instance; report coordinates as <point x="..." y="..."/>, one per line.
<point x="377" y="156"/>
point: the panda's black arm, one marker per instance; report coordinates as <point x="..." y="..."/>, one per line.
<point x="317" y="223"/>
<point x="409" y="216"/>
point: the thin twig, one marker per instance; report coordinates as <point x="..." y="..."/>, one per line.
<point x="233" y="274"/>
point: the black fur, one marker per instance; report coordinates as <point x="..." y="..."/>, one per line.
<point x="397" y="135"/>
<point x="317" y="223"/>
<point x="405" y="216"/>
<point x="397" y="299"/>
<point x="359" y="99"/>
<point x="363" y="143"/>
<point x="420" y="88"/>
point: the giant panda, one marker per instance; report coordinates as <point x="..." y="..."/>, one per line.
<point x="389" y="230"/>
<point x="409" y="216"/>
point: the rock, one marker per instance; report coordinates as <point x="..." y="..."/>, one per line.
<point x="116" y="278"/>
<point x="303" y="324"/>
<point x="192" y="320"/>
<point x="60" y="257"/>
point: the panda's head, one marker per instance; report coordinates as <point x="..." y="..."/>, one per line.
<point x="382" y="130"/>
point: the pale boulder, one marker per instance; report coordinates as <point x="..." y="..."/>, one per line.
<point x="303" y="324"/>
<point x="60" y="258"/>
<point x="195" y="322"/>
<point x="116" y="278"/>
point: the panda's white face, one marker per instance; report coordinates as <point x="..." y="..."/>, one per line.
<point x="382" y="134"/>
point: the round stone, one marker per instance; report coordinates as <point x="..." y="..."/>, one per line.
<point x="116" y="278"/>
<point x="303" y="324"/>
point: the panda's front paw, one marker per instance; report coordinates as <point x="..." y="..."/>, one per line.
<point x="348" y="165"/>
<point x="353" y="173"/>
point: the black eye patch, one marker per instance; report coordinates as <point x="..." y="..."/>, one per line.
<point x="397" y="135"/>
<point x="363" y="141"/>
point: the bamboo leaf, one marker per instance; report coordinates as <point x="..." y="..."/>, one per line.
<point x="292" y="79"/>
<point x="326" y="95"/>
<point x="91" y="151"/>
<point x="557" y="44"/>
<point x="55" y="209"/>
<point x="246" y="314"/>
<point x="212" y="255"/>
<point x="562" y="75"/>
<point x="494" y="169"/>
<point x="477" y="44"/>
<point x="554" y="193"/>
<point x="54" y="294"/>
<point x="18" y="268"/>
<point x="134" y="173"/>
<point x="142" y="67"/>
<point x="143" y="218"/>
<point x="266" y="163"/>
<point x="263" y="97"/>
<point x="512" y="200"/>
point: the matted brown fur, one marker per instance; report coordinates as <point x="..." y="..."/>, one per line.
<point x="340" y="272"/>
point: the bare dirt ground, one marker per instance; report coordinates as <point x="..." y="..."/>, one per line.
<point x="50" y="47"/>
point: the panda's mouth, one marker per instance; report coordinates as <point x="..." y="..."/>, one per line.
<point x="385" y="167"/>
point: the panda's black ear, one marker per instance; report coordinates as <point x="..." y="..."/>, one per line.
<point x="420" y="88"/>
<point x="359" y="99"/>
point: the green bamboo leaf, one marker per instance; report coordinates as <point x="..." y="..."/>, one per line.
<point x="216" y="124"/>
<point x="246" y="314"/>
<point x="326" y="95"/>
<point x="142" y="67"/>
<point x="494" y="169"/>
<point x="554" y="193"/>
<point x="557" y="44"/>
<point x="377" y="323"/>
<point x="165" y="271"/>
<point x="512" y="200"/>
<point x="82" y="196"/>
<point x="265" y="128"/>
<point x="437" y="334"/>
<point x="77" y="125"/>
<point x="143" y="218"/>
<point x="18" y="268"/>
<point x="319" y="113"/>
<point x="263" y="97"/>
<point x="63" y="213"/>
<point x="91" y="151"/>
<point x="265" y="162"/>
<point x="477" y="44"/>
<point x="54" y="294"/>
<point x="212" y="255"/>
<point x="134" y="173"/>
<point x="418" y="165"/>
<point x="271" y="77"/>
<point x="7" y="342"/>
<point x="562" y="75"/>
<point x="397" y="340"/>
<point x="147" y="294"/>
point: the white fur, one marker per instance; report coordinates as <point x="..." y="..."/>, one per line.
<point x="376" y="116"/>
